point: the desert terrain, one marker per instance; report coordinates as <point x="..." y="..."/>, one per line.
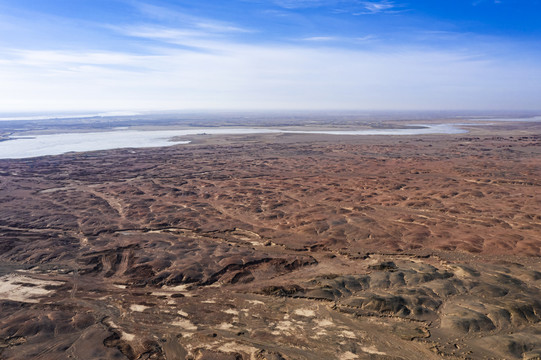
<point x="277" y="246"/>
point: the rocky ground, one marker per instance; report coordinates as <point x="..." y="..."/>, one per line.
<point x="276" y="247"/>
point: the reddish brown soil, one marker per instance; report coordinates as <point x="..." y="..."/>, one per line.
<point x="276" y="247"/>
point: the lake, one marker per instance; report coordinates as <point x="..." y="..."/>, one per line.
<point x="56" y="144"/>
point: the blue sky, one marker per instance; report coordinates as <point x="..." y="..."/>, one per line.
<point x="134" y="55"/>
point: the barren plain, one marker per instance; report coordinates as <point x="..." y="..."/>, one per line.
<point x="277" y="246"/>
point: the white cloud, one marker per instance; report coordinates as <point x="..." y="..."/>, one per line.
<point x="366" y="38"/>
<point x="189" y="39"/>
<point x="296" y="4"/>
<point x="212" y="70"/>
<point x="366" y="7"/>
<point x="50" y="58"/>
<point x="338" y="39"/>
<point x="263" y="77"/>
<point x="195" y="33"/>
<point x="320" y="38"/>
<point x="379" y="6"/>
<point x="169" y="15"/>
<point x="478" y="2"/>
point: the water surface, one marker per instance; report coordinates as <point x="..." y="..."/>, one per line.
<point x="56" y="144"/>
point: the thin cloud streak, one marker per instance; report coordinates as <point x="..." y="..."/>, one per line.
<point x="336" y="39"/>
<point x="378" y="7"/>
<point x="169" y="15"/>
<point x="320" y="38"/>
<point x="189" y="39"/>
<point x="367" y="7"/>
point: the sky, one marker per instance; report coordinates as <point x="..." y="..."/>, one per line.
<point x="157" y="55"/>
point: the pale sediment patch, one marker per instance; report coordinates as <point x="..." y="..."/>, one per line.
<point x="305" y="312"/>
<point x="225" y="326"/>
<point x="185" y="324"/>
<point x="286" y="326"/>
<point x="248" y="236"/>
<point x="348" y="334"/>
<point x="372" y="350"/>
<point x="231" y="311"/>
<point x="348" y="356"/>
<point x="123" y="335"/>
<point x="281" y="327"/>
<point x="182" y="313"/>
<point x="235" y="347"/>
<point x="128" y="337"/>
<point x="138" y="308"/>
<point x="324" y="323"/>
<point x="52" y="190"/>
<point x="24" y="288"/>
<point x="256" y="302"/>
<point x="166" y="293"/>
<point x="182" y="288"/>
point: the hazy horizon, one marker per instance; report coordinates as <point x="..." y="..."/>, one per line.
<point x="372" y="114"/>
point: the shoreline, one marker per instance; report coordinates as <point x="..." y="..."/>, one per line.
<point x="30" y="146"/>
